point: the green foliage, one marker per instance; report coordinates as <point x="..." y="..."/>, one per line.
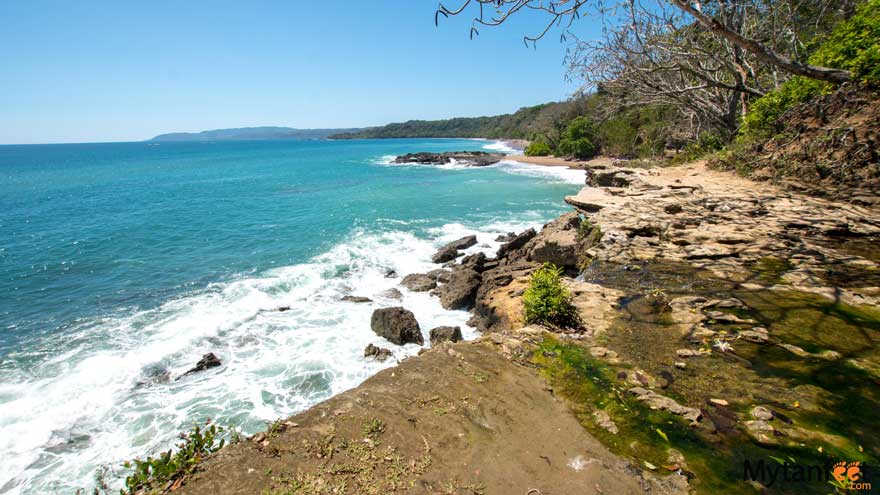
<point x="763" y="117"/>
<point x="854" y="45"/>
<point x="581" y="148"/>
<point x="538" y="148"/>
<point x="525" y="123"/>
<point x="637" y="133"/>
<point x="547" y="302"/>
<point x="374" y="427"/>
<point x="155" y="472"/>
<point x="577" y="140"/>
<point x="617" y="136"/>
<point x="705" y="144"/>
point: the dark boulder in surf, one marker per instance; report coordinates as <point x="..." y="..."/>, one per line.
<point x="356" y="299"/>
<point x="397" y="325"/>
<point x="378" y="353"/>
<point x="450" y="251"/>
<point x="208" y="361"/>
<point x="418" y="282"/>
<point x="461" y="290"/>
<point x="445" y="334"/>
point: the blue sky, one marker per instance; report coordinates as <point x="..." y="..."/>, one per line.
<point x="88" y="71"/>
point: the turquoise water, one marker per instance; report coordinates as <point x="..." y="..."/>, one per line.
<point x="120" y="264"/>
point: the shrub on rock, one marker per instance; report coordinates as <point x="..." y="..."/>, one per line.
<point x="547" y="302"/>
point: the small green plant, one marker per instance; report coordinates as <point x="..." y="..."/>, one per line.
<point x="547" y="302"/>
<point x="169" y="466"/>
<point x="538" y="148"/>
<point x="275" y="428"/>
<point x="374" y="427"/>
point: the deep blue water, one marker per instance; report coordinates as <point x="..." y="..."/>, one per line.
<point x="120" y="262"/>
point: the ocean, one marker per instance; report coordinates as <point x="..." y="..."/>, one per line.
<point x="121" y="264"/>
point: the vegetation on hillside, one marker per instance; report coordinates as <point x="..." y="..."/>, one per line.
<point x="169" y="468"/>
<point x="776" y="138"/>
<point x="682" y="79"/>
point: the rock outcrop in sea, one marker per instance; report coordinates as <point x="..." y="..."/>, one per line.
<point x="469" y="158"/>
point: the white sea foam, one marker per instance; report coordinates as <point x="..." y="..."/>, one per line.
<point x="560" y="174"/>
<point x="101" y="403"/>
<point x="502" y="147"/>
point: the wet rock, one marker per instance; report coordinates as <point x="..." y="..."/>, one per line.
<point x="656" y="401"/>
<point x="378" y="353"/>
<point x="445" y="334"/>
<point x="463" y="243"/>
<point x="758" y="335"/>
<point x="721" y="317"/>
<point x="451" y="251"/>
<point x="390" y="274"/>
<point x="604" y="420"/>
<point x="665" y="379"/>
<point x="475" y="262"/>
<point x="392" y="294"/>
<point x="444" y="254"/>
<point x="761" y="431"/>
<point x="440" y="275"/>
<point x="505" y="237"/>
<point x="282" y="309"/>
<point x="357" y="299"/>
<point x="800" y="352"/>
<point x="724" y="303"/>
<point x="762" y="413"/>
<point x="516" y="243"/>
<point x="208" y="361"/>
<point x="461" y="290"/>
<point x="418" y="282"/>
<point x="397" y="325"/>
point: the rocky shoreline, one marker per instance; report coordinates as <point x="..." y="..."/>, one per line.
<point x="722" y="320"/>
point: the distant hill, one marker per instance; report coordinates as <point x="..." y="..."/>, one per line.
<point x="251" y="133"/>
<point x="521" y="124"/>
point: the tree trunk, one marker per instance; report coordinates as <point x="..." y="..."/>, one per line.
<point x="764" y="53"/>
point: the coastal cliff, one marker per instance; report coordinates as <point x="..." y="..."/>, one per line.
<point x="724" y="321"/>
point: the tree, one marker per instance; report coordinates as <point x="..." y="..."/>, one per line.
<point x="718" y="16"/>
<point x="701" y="58"/>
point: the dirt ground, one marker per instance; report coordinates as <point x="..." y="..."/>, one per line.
<point x="459" y="419"/>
